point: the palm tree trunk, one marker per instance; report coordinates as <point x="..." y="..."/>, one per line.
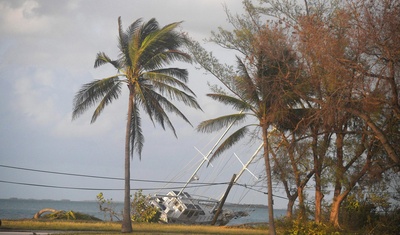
<point x="271" y="222"/>
<point x="126" y="220"/>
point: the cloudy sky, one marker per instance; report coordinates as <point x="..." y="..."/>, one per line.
<point x="47" y="51"/>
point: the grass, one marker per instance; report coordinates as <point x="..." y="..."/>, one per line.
<point x="89" y="227"/>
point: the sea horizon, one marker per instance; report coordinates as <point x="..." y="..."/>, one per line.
<point x="117" y="201"/>
<point x="20" y="208"/>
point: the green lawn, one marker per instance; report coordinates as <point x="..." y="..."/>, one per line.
<point x="86" y="227"/>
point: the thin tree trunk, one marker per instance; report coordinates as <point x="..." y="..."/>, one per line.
<point x="338" y="198"/>
<point x="318" y="159"/>
<point x="126" y="220"/>
<point x="335" y="209"/>
<point x="318" y="201"/>
<point x="334" y="215"/>
<point x="300" y="194"/>
<point x="271" y="223"/>
<point x="302" y="207"/>
<point x="289" y="209"/>
<point x="283" y="177"/>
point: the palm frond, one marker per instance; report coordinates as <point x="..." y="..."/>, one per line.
<point x="112" y="94"/>
<point x="135" y="45"/>
<point x="136" y="134"/>
<point x="133" y="28"/>
<point x="91" y="93"/>
<point x="102" y="59"/>
<point x="125" y="39"/>
<point x="154" y="104"/>
<point x="236" y="103"/>
<point x="157" y="103"/>
<point x="175" y="93"/>
<point x="245" y="84"/>
<point x="143" y="99"/>
<point x="173" y="76"/>
<point x="169" y="106"/>
<point x="221" y="122"/>
<point x="161" y="48"/>
<point x="162" y="58"/>
<point x="154" y="37"/>
<point x="230" y="141"/>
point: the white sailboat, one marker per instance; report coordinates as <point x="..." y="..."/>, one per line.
<point x="181" y="207"/>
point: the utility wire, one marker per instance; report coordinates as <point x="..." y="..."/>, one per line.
<point x="100" y="177"/>
<point x="193" y="184"/>
<point x="99" y="189"/>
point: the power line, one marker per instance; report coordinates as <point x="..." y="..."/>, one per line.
<point x="194" y="184"/>
<point x="100" y="189"/>
<point x="100" y="177"/>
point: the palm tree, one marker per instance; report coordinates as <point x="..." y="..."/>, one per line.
<point x="261" y="90"/>
<point x="145" y="51"/>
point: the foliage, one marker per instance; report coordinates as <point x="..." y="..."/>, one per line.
<point x="142" y="211"/>
<point x="362" y="215"/>
<point x="69" y="215"/>
<point x="338" y="63"/>
<point x="386" y="223"/>
<point x="305" y="228"/>
<point x="356" y="214"/>
<point x="107" y="206"/>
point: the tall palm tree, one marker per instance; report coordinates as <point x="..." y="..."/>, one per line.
<point x="261" y="89"/>
<point x="146" y="50"/>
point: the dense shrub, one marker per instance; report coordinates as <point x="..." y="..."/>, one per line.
<point x="69" y="215"/>
<point x="142" y="211"/>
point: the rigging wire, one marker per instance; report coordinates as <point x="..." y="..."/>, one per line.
<point x="260" y="191"/>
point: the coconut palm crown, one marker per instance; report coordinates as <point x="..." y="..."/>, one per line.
<point x="146" y="50"/>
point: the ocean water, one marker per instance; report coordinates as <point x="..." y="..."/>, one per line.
<point x="26" y="209"/>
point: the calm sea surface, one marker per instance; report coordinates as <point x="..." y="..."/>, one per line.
<point x="22" y="209"/>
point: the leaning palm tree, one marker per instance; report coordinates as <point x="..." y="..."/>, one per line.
<point x="262" y="91"/>
<point x="146" y="50"/>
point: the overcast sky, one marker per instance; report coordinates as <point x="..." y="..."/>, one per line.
<point x="47" y="51"/>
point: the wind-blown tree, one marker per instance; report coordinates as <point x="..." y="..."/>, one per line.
<point x="146" y="52"/>
<point x="260" y="87"/>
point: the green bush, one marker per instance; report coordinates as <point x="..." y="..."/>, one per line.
<point x="385" y="223"/>
<point x="355" y="214"/>
<point x="69" y="215"/>
<point x="142" y="211"/>
<point x="298" y="227"/>
<point x="107" y="207"/>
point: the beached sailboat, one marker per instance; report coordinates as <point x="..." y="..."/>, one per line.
<point x="181" y="207"/>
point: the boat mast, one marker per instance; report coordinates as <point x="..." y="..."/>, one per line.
<point x="247" y="164"/>
<point x="205" y="158"/>
<point x="244" y="168"/>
